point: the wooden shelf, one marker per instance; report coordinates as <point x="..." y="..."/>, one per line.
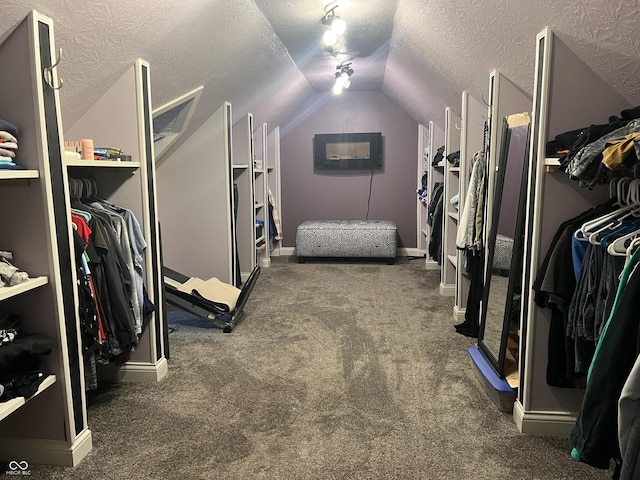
<point x="454" y="215"/>
<point x="18" y="174"/>
<point x="425" y="232"/>
<point x="454" y="169"/>
<point x="102" y="164"/>
<point x="453" y="259"/>
<point x="258" y="240"/>
<point x="7" y="408"/>
<point x="240" y="167"/>
<point x="258" y="170"/>
<point x="30" y="284"/>
<point x="259" y="205"/>
<point x="552" y="164"/>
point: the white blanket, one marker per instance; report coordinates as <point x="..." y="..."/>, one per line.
<point x="213" y="290"/>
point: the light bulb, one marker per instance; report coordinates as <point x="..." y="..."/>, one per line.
<point x="340" y="81"/>
<point x="337" y="89"/>
<point x="338" y="25"/>
<point x="330" y="38"/>
<point x="346" y="84"/>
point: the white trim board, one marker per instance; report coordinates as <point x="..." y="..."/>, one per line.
<point x="543" y="423"/>
<point x="48" y="452"/>
<point x="136" y="372"/>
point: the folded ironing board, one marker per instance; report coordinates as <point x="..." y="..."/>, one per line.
<point x="212" y="300"/>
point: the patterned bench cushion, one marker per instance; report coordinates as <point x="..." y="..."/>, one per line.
<point x="502" y="253"/>
<point x="346" y="238"/>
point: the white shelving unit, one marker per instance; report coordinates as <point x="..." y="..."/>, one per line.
<point x="51" y="426"/>
<point x="451" y="188"/>
<point x="7" y="408"/>
<point x="245" y="203"/>
<point x="121" y="118"/>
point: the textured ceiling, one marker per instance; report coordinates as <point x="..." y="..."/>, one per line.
<point x="264" y="56"/>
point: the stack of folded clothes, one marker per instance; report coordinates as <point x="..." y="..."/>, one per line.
<point x="8" y="145"/>
<point x="21" y="371"/>
<point x="10" y="275"/>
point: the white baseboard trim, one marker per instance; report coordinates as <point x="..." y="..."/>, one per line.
<point x="287" y="251"/>
<point x="447" y="290"/>
<point x="459" y="313"/>
<point x="36" y="451"/>
<point x="557" y="424"/>
<point x="431" y="265"/>
<point x="136" y="372"/>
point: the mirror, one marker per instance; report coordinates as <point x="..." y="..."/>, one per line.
<point x="503" y="269"/>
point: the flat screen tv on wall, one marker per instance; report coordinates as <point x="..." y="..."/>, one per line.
<point x="347" y="152"/>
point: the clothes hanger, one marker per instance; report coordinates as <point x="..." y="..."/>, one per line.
<point x="632" y="247"/>
<point x="619" y="246"/>
<point x="610" y="219"/>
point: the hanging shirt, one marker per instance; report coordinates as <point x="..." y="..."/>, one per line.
<point x="594" y="437"/>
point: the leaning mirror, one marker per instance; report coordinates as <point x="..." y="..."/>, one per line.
<point x="505" y="219"/>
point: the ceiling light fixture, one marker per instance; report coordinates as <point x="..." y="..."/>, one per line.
<point x="330" y="19"/>
<point x="336" y="26"/>
<point x="330" y="38"/>
<point x="343" y="77"/>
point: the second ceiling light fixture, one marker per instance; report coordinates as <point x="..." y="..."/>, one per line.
<point x="343" y="76"/>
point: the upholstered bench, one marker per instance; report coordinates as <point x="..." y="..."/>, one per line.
<point x="347" y="238"/>
<point x="502" y="254"/>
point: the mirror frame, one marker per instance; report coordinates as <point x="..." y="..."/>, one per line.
<point x="515" y="269"/>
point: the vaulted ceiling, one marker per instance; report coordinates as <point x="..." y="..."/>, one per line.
<point x="265" y="56"/>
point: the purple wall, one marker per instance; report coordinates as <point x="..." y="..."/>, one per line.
<point x="309" y="196"/>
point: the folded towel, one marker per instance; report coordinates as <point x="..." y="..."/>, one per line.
<point x="220" y="294"/>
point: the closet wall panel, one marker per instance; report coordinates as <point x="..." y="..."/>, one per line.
<point x="194" y="195"/>
<point x="273" y="183"/>
<point x="563" y="83"/>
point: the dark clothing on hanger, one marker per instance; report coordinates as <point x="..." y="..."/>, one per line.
<point x="554" y="288"/>
<point x="475" y="268"/>
<point x="112" y="286"/>
<point x="435" y="215"/>
<point x="437" y="158"/>
<point x="595" y="435"/>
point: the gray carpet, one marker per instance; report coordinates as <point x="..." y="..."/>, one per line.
<point x="338" y="371"/>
